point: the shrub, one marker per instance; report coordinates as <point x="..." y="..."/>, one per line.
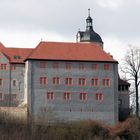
<point x="13" y="129"/>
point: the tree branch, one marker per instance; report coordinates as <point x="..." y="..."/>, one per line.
<point x="138" y="83"/>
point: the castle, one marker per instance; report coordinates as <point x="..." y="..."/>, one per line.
<point x="62" y="81"/>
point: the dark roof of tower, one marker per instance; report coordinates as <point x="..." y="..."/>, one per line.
<point x="89" y="35"/>
<point x="89" y="18"/>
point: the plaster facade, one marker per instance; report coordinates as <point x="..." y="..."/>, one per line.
<point x="61" y="110"/>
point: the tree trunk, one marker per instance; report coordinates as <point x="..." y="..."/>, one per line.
<point x="137" y="97"/>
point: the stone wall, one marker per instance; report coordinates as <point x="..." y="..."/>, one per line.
<point x="60" y="110"/>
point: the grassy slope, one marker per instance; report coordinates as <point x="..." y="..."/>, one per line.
<point x="11" y="129"/>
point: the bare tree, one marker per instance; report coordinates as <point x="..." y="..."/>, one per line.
<point x="132" y="70"/>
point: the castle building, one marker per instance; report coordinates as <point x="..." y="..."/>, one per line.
<point x="124" y="101"/>
<point x="12" y="72"/>
<point x="72" y="81"/>
<point x="62" y="81"/>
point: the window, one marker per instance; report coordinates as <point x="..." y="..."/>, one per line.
<point x="68" y="81"/>
<point x="119" y="88"/>
<point x="13" y="66"/>
<point x="95" y="66"/>
<point x="94" y="82"/>
<point x="68" y="66"/>
<point x="123" y="88"/>
<point x="99" y="96"/>
<point x="67" y="96"/>
<point x="17" y="57"/>
<point x="50" y="96"/>
<point x="55" y="65"/>
<point x="3" y="66"/>
<point x="81" y="66"/>
<point x="106" y="66"/>
<point x="1" y="82"/>
<point x="82" y="82"/>
<point x="1" y="96"/>
<point x="106" y="82"/>
<point x="56" y="80"/>
<point x="42" y="64"/>
<point x="83" y="96"/>
<point x="14" y="97"/>
<point x="126" y="88"/>
<point x="14" y="83"/>
<point x="43" y="81"/>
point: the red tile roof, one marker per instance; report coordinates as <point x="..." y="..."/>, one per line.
<point x="18" y="55"/>
<point x="58" y="51"/>
<point x="2" y="48"/>
<point x="15" y="55"/>
<point x="70" y="51"/>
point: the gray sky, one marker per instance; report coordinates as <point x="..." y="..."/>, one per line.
<point x="23" y="23"/>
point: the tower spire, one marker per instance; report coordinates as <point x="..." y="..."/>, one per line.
<point x="89" y="35"/>
<point x="89" y="12"/>
<point x="89" y="21"/>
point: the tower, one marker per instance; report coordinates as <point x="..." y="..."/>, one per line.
<point x="89" y="35"/>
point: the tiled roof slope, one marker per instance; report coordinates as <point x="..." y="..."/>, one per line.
<point x="70" y="51"/>
<point x="2" y="48"/>
<point x="15" y="55"/>
<point x="18" y="55"/>
<point x="123" y="82"/>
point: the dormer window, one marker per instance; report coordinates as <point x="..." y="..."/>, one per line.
<point x="17" y="57"/>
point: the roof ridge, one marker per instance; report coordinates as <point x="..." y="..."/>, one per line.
<point x="17" y="48"/>
<point x="60" y="42"/>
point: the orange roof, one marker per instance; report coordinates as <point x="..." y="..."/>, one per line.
<point x="18" y="55"/>
<point x="2" y="48"/>
<point x="70" y="51"/>
<point x="58" y="51"/>
<point x="15" y="55"/>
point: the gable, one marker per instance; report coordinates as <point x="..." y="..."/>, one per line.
<point x="3" y="58"/>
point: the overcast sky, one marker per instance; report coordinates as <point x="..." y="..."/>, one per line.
<point x="23" y="23"/>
